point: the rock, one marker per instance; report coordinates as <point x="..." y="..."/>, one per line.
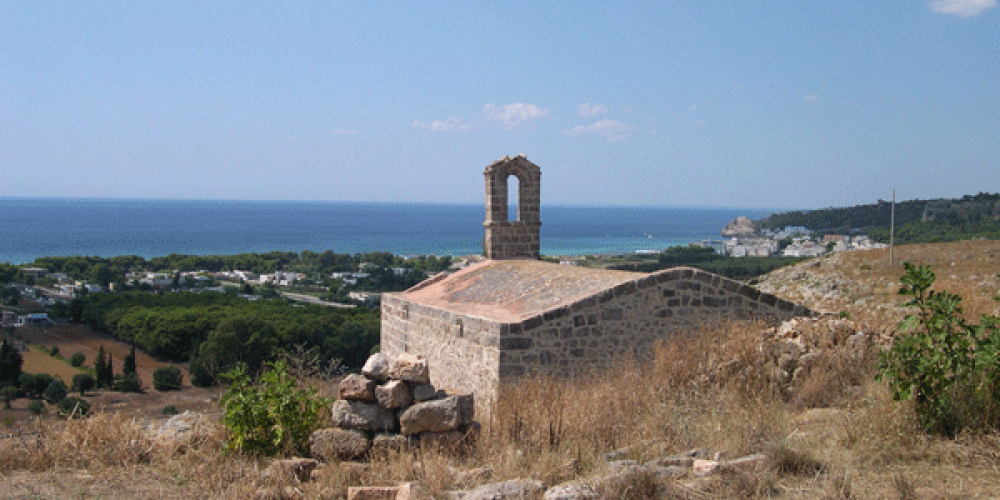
<point x="297" y="468"/>
<point x="334" y="444"/>
<point x="671" y="461"/>
<point x="393" y="395"/>
<point x="665" y="473"/>
<point x="619" y="465"/>
<point x="572" y="491"/>
<point x="425" y="392"/>
<point x="704" y="467"/>
<point x="409" y="368"/>
<point x="356" y="387"/>
<point x="179" y="428"/>
<point x="518" y="489"/>
<point x="377" y="367"/>
<point x="748" y="463"/>
<point x="440" y="415"/>
<point x="741" y="226"/>
<point x="360" y="415"/>
<point x="383" y="443"/>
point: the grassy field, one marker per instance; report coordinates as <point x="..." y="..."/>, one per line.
<point x="835" y="433"/>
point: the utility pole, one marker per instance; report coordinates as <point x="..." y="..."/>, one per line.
<point x="892" y="226"/>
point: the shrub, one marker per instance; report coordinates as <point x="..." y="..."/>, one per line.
<point x="73" y="407"/>
<point x="202" y="374"/>
<point x="55" y="392"/>
<point x="8" y="393"/>
<point x="36" y="407"/>
<point x="270" y="415"/>
<point x="947" y="365"/>
<point x="54" y="351"/>
<point x="128" y="383"/>
<point x="83" y="382"/>
<point x="169" y="410"/>
<point x="167" y="378"/>
<point x="77" y="359"/>
<point x="34" y="384"/>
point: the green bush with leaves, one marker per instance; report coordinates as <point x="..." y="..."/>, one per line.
<point x="83" y="382"/>
<point x="271" y="414"/>
<point x="128" y="383"/>
<point x="167" y="378"/>
<point x="947" y="365"/>
<point x="56" y="391"/>
<point x="73" y="407"/>
<point x="36" y="407"/>
<point x="77" y="359"/>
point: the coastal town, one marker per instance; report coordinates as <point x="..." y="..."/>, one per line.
<point x="362" y="284"/>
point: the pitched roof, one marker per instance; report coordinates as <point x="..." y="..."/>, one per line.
<point x="512" y="290"/>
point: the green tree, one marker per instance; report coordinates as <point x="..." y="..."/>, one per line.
<point x="167" y="378"/>
<point x="10" y="362"/>
<point x="83" y="382"/>
<point x="55" y="392"/>
<point x="250" y="341"/>
<point x="103" y="369"/>
<point x="128" y="362"/>
<point x="8" y="393"/>
<point x="77" y="359"/>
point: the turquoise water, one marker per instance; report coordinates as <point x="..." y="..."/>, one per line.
<point x="31" y="228"/>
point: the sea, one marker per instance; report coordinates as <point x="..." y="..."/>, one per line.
<point x="38" y="227"/>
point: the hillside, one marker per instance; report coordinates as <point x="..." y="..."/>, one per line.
<point x="917" y="221"/>
<point x="803" y="395"/>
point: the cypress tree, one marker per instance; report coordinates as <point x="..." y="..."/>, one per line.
<point x="10" y="362"/>
<point x="128" y="364"/>
<point x="101" y="365"/>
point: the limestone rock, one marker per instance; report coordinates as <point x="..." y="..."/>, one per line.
<point x="393" y="395"/>
<point x="704" y="467"/>
<point x="377" y="367"/>
<point x="333" y="444"/>
<point x="571" y="491"/>
<point x="425" y="392"/>
<point x="382" y="442"/>
<point x="297" y="468"/>
<point x="440" y="415"/>
<point x="671" y="461"/>
<point x="508" y="490"/>
<point x="357" y="388"/>
<point x="740" y="226"/>
<point x="409" y="368"/>
<point x="361" y="415"/>
<point x="372" y="492"/>
<point x="748" y="463"/>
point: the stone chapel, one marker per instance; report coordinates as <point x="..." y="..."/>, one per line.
<point x="513" y="314"/>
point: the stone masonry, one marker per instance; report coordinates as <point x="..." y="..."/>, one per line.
<point x="512" y="314"/>
<point x="474" y="351"/>
<point x="520" y="238"/>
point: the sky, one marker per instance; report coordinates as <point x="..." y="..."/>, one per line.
<point x="666" y="103"/>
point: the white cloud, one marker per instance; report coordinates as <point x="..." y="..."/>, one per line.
<point x="452" y="123"/>
<point x="343" y="131"/>
<point x="588" y="109"/>
<point x="810" y="97"/>
<point x="961" y="8"/>
<point x="612" y="130"/>
<point x="515" y="114"/>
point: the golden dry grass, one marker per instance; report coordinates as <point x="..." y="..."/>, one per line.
<point x="834" y="434"/>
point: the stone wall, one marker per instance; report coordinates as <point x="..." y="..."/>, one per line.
<point x="628" y="319"/>
<point x="474" y="354"/>
<point x="462" y="349"/>
<point x="518" y="238"/>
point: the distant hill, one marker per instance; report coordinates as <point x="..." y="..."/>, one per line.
<point x="917" y="221"/>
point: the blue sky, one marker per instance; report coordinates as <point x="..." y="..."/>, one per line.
<point x="707" y="103"/>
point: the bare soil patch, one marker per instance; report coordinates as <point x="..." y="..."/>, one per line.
<point x="75" y="338"/>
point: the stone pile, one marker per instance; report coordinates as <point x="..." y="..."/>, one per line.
<point x="392" y="405"/>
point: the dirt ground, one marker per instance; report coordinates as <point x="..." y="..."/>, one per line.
<point x="71" y="339"/>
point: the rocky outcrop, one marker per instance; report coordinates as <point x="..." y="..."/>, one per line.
<point x="377" y="412"/>
<point x="740" y="226"/>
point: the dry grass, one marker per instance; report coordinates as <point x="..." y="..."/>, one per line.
<point x="835" y="433"/>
